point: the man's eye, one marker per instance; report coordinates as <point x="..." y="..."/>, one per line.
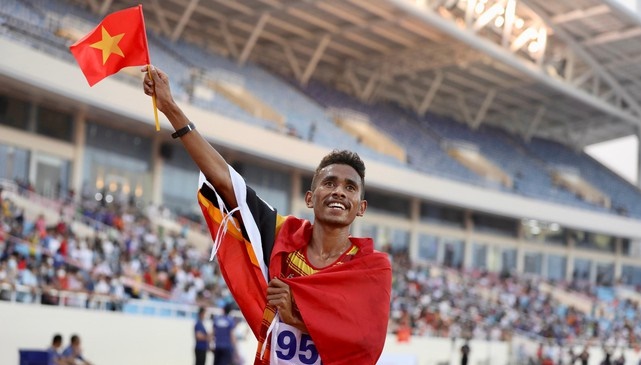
<point x="351" y="187"/>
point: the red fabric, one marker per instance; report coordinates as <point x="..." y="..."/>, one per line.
<point x="133" y="45"/>
<point x="244" y="279"/>
<point x="345" y="307"/>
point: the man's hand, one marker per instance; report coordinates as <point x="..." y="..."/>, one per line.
<point x="158" y="84"/>
<point x="279" y="295"/>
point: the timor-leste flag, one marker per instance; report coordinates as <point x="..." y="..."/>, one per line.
<point x="118" y="41"/>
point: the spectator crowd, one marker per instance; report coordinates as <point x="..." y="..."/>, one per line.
<point x="132" y="258"/>
<point x="127" y="257"/>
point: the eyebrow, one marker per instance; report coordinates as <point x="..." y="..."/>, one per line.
<point x="335" y="178"/>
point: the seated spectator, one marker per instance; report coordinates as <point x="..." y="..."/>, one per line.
<point x="54" y="351"/>
<point x="73" y="353"/>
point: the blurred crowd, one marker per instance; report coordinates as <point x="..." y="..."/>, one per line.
<point x="135" y="259"/>
<point x="113" y="265"/>
<point x="430" y="300"/>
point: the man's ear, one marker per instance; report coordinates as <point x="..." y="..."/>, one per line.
<point x="361" y="208"/>
<point x="308" y="199"/>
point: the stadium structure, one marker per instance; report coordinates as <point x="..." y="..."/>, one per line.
<point x="472" y="117"/>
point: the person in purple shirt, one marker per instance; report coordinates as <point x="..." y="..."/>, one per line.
<point x="224" y="325"/>
<point x="202" y="338"/>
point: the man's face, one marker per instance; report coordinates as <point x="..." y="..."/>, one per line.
<point x="336" y="196"/>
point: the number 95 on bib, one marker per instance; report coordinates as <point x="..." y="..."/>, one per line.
<point x="293" y="347"/>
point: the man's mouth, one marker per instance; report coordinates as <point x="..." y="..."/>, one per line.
<point x="336" y="205"/>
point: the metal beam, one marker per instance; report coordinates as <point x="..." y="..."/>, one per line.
<point x="253" y="38"/>
<point x="580" y="14"/>
<point x="350" y="75"/>
<point x="510" y="16"/>
<point x="610" y="37"/>
<point x="488" y="15"/>
<point x="237" y="5"/>
<point x="504" y="56"/>
<point x="313" y="62"/>
<point x="369" y="87"/>
<point x="588" y="59"/>
<point x="480" y="115"/>
<point x="411" y="98"/>
<point x="341" y="13"/>
<point x="300" y="45"/>
<point x="465" y="111"/>
<point x="312" y="19"/>
<point x="431" y="93"/>
<point x="293" y="62"/>
<point x="183" y="20"/>
<point x="160" y="16"/>
<point x="534" y="124"/>
<point x="583" y="78"/>
<point x="229" y="40"/>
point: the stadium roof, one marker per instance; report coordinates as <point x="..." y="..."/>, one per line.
<point x="563" y="70"/>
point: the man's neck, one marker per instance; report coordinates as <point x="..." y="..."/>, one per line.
<point x="327" y="244"/>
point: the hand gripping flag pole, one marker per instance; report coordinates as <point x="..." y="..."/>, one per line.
<point x="120" y="40"/>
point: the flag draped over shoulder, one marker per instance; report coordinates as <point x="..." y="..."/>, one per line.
<point x="238" y="265"/>
<point x="345" y="307"/>
<point x="118" y="41"/>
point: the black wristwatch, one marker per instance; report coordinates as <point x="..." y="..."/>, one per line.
<point x="184" y="130"/>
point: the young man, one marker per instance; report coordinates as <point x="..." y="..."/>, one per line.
<point x="202" y="338"/>
<point x="54" y="350"/>
<point x="309" y="292"/>
<point x="225" y="343"/>
<point x="73" y="353"/>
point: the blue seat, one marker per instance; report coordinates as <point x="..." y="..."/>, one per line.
<point x="35" y="357"/>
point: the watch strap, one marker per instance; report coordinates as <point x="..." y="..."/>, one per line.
<point x="184" y="130"/>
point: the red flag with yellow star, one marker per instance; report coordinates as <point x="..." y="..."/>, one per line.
<point x="118" y="41"/>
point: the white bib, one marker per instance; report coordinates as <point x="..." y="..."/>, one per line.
<point x="293" y="347"/>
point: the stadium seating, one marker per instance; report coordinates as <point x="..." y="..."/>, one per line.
<point x="626" y="197"/>
<point x="529" y="165"/>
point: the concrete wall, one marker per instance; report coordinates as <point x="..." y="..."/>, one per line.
<point x="128" y="339"/>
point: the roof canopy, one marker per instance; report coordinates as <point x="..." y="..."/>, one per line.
<point x="563" y="70"/>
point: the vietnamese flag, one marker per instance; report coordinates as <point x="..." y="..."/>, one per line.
<point x="118" y="41"/>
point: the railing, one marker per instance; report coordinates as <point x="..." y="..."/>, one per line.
<point x="18" y="293"/>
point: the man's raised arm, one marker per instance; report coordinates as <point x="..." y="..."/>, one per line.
<point x="208" y="160"/>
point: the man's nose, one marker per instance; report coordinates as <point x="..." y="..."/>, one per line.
<point x="339" y="190"/>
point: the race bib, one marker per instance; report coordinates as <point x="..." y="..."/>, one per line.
<point x="294" y="347"/>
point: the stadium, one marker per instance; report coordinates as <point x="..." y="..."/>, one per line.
<point x="472" y="117"/>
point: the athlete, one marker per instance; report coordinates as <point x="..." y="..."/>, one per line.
<point x="311" y="293"/>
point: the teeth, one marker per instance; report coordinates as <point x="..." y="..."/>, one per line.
<point x="337" y="205"/>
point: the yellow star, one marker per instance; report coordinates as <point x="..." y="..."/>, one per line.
<point x="109" y="45"/>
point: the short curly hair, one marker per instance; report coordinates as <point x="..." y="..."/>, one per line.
<point x="343" y="157"/>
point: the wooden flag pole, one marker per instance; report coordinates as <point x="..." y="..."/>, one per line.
<point x="153" y="99"/>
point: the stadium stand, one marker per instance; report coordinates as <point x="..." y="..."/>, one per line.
<point x="528" y="170"/>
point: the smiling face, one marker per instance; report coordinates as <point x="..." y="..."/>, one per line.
<point x="336" y="196"/>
